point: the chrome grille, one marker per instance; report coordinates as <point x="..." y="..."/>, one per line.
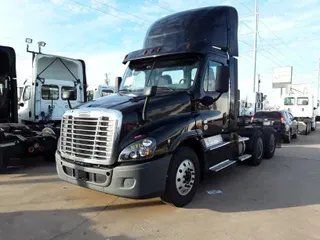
<point x="89" y="136"/>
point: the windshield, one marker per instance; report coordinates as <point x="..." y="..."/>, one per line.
<point x="170" y="74"/>
<point x="302" y="101"/>
<point x="289" y="101"/>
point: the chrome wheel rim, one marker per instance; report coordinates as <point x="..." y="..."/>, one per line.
<point x="185" y="177"/>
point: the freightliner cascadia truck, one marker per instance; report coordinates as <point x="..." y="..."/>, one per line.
<point x="174" y="115"/>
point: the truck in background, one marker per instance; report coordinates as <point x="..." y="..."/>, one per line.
<point x="42" y="99"/>
<point x="19" y="140"/>
<point x="101" y="90"/>
<point x="301" y="103"/>
<point x="174" y="117"/>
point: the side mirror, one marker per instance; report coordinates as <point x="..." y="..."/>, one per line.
<point x="207" y="101"/>
<point x="314" y="108"/>
<point x="21" y="104"/>
<point x="222" y="79"/>
<point x="70" y="94"/>
<point x="318" y="104"/>
<point x="118" y="83"/>
<point x="150" y="91"/>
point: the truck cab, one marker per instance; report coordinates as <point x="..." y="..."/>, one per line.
<point x="173" y="117"/>
<point x="102" y="90"/>
<point x="303" y="108"/>
<point x="42" y="98"/>
<point x="18" y="140"/>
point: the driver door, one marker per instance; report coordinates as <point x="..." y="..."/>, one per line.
<point x="24" y="112"/>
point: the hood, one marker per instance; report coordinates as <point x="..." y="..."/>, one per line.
<point x="8" y="61"/>
<point x="161" y="108"/>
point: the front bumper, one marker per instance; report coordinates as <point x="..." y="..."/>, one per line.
<point x="144" y="180"/>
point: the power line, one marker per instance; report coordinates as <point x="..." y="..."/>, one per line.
<point x="277" y="37"/>
<point x="107" y="13"/>
<point x="119" y="10"/>
<point x="161" y="6"/>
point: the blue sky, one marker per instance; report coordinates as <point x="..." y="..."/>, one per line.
<point x="102" y="31"/>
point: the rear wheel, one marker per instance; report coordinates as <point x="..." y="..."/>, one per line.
<point x="257" y="150"/>
<point x="183" y="177"/>
<point x="270" y="145"/>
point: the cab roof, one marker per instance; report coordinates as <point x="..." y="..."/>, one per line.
<point x="191" y="31"/>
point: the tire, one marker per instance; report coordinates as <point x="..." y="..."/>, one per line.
<point x="295" y="136"/>
<point x="49" y="157"/>
<point x="307" y="129"/>
<point x="257" y="150"/>
<point x="269" y="145"/>
<point x="287" y="139"/>
<point x="3" y="165"/>
<point x="179" y="169"/>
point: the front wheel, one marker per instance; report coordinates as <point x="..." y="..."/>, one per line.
<point x="183" y="177"/>
<point x="3" y="165"/>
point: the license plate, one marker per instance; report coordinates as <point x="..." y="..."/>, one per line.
<point x="82" y="175"/>
<point x="266" y="123"/>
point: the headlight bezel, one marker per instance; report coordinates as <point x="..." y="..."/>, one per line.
<point x="140" y="150"/>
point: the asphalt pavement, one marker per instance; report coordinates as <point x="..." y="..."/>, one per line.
<point x="280" y="199"/>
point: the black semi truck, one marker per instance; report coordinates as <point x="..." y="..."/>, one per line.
<point x="173" y="118"/>
<point x="19" y="140"/>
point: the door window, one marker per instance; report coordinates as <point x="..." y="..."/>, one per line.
<point x="302" y="101"/>
<point x="210" y="77"/>
<point x="68" y="88"/>
<point x="50" y="92"/>
<point x="27" y="93"/>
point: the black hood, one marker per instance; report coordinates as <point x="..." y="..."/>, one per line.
<point x="161" y="108"/>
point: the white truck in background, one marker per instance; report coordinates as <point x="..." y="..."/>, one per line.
<point x="301" y="103"/>
<point x="41" y="100"/>
<point x="94" y="92"/>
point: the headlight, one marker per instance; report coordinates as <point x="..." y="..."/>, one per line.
<point x="139" y="150"/>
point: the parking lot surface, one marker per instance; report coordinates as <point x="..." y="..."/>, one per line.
<point x="280" y="199"/>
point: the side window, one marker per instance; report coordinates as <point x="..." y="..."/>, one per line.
<point x="50" y="92"/>
<point x="210" y="77"/>
<point x="175" y="75"/>
<point x="26" y="93"/>
<point x="68" y="88"/>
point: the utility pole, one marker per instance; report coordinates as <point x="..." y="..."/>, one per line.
<point x="255" y="44"/>
<point x="318" y="83"/>
<point x="259" y="81"/>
